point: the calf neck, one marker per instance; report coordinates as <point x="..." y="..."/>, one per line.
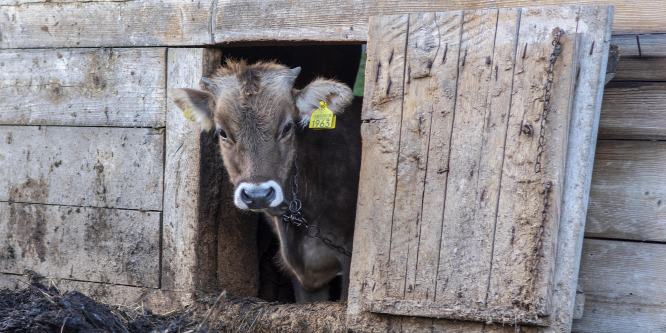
<point x="267" y="147"/>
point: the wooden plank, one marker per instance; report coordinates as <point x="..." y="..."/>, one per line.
<point x="82" y="166"/>
<point x="287" y="20"/>
<point x="640" y="45"/>
<point x="642" y="57"/>
<point x="157" y="300"/>
<point x="89" y="244"/>
<point x="95" y="23"/>
<point x="419" y="104"/>
<point x="641" y="69"/>
<point x="465" y="246"/>
<point x="105" y="24"/>
<point x="83" y="87"/>
<point x="623" y="284"/>
<point x="185" y="68"/>
<point x="595" y="29"/>
<point x="634" y="110"/>
<point x="523" y="254"/>
<point x="441" y="96"/>
<point x="382" y="108"/>
<point x="628" y="195"/>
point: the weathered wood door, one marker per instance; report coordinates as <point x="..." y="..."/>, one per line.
<point x="464" y="169"/>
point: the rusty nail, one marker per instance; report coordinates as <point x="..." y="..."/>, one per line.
<point x="488" y="61"/>
<point x="379" y="65"/>
<point x="525" y="51"/>
<point x="527" y="129"/>
<point x="388" y="86"/>
<point x="592" y="48"/>
<point x="446" y="49"/>
<point x="464" y="58"/>
<point x="391" y="56"/>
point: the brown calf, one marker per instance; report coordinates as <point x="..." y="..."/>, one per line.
<point x="261" y="121"/>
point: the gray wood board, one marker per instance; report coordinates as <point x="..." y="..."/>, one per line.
<point x="105" y="24"/>
<point x="628" y="195"/>
<point x="83" y="87"/>
<point x="634" y="110"/>
<point x="88" y="244"/>
<point x="40" y="24"/>
<point x="623" y="284"/>
<point x="82" y="166"/>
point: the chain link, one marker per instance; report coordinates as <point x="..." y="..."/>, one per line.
<point x="295" y="217"/>
<point x="550" y="77"/>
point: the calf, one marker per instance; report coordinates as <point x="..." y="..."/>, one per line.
<point x="273" y="158"/>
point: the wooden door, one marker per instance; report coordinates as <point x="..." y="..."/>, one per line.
<point x="464" y="169"/>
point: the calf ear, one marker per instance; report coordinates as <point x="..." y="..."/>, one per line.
<point x="196" y="104"/>
<point x="336" y="95"/>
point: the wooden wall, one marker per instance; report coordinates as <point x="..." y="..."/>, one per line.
<point x="79" y="86"/>
<point x="624" y="250"/>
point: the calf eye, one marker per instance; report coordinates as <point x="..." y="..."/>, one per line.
<point x="222" y="133"/>
<point x="287" y="128"/>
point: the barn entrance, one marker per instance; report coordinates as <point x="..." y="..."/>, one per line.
<point x="243" y="245"/>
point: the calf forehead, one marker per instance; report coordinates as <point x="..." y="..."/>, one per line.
<point x="253" y="97"/>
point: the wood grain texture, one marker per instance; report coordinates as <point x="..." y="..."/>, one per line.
<point x="483" y="150"/>
<point x="185" y="68"/>
<point x="641" y="45"/>
<point x="105" y="24"/>
<point x="594" y="30"/>
<point x="95" y="23"/>
<point x="634" y="110"/>
<point x="624" y="287"/>
<point x="88" y="244"/>
<point x="82" y="166"/>
<point x="83" y="87"/>
<point x="286" y="20"/>
<point x="465" y="245"/>
<point x="441" y="96"/>
<point x="524" y="237"/>
<point x="381" y="115"/>
<point x="628" y="195"/>
<point x="420" y="106"/>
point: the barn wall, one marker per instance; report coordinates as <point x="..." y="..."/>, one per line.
<point x="624" y="250"/>
<point x="72" y="73"/>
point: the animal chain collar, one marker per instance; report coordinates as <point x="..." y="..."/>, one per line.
<point x="294" y="216"/>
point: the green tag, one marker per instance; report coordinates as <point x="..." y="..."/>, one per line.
<point x="322" y="118"/>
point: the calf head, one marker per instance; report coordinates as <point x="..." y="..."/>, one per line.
<point x="256" y="112"/>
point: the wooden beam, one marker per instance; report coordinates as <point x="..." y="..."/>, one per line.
<point x="105" y="23"/>
<point x="46" y="24"/>
<point x="634" y="110"/>
<point x="628" y="196"/>
<point x="89" y="244"/>
<point x="82" y="166"/>
<point x="623" y="284"/>
<point x="83" y="87"/>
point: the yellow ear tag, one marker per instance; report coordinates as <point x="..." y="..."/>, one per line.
<point x="187" y="113"/>
<point x="322" y="118"/>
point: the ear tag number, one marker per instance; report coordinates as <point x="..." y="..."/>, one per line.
<point x="322" y="118"/>
<point x="187" y="113"/>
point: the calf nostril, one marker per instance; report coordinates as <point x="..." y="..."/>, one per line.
<point x="270" y="195"/>
<point x="245" y="197"/>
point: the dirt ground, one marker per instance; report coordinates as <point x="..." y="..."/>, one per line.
<point x="38" y="308"/>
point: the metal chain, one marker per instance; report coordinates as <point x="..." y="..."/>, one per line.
<point x="295" y="217"/>
<point x="542" y="227"/>
<point x="550" y="77"/>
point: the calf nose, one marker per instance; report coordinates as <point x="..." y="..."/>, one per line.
<point x="258" y="196"/>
